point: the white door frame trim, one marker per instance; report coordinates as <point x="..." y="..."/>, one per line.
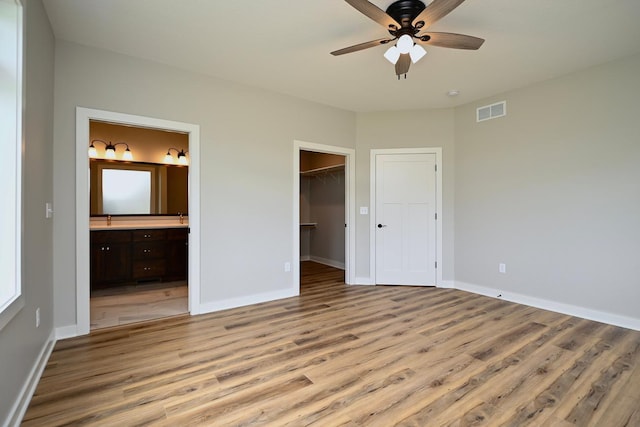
<point x="372" y="208"/>
<point x="83" y="116"/>
<point x="350" y="207"/>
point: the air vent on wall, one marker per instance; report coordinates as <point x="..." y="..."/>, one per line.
<point x="492" y="111"/>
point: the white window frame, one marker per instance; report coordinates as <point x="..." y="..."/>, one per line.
<point x="11" y="139"/>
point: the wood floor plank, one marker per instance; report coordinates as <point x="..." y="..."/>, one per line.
<point x="536" y="373"/>
<point x="341" y="355"/>
<point x="600" y="387"/>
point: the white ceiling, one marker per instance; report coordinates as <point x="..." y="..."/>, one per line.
<point x="284" y="45"/>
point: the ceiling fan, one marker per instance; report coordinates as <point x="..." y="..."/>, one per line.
<point x="405" y="19"/>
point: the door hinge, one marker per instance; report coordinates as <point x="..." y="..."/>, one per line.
<point x="436" y="216"/>
<point x="436" y="264"/>
<point x="436" y="168"/>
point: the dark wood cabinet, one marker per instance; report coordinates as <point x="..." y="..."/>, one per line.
<point x="149" y="249"/>
<point x="110" y="258"/>
<point x="123" y="257"/>
<point x="177" y="254"/>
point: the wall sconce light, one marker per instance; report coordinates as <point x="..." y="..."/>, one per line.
<point x="110" y="150"/>
<point x="182" y="157"/>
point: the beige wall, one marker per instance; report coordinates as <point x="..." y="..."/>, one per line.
<point x="246" y="164"/>
<point x="553" y="191"/>
<point x="405" y="129"/>
<point x="326" y="207"/>
<point x="20" y="340"/>
<point x="146" y="145"/>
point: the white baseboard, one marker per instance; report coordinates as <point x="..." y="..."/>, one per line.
<point x="69" y="331"/>
<point x="305" y="258"/>
<point x="210" y="307"/>
<point x="447" y="284"/>
<point x="558" y="307"/>
<point x="23" y="398"/>
<point x="329" y="262"/>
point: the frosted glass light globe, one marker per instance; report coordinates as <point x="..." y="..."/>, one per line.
<point x="392" y="54"/>
<point x="405" y="43"/>
<point x="416" y="53"/>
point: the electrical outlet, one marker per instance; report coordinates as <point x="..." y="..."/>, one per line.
<point x="38" y="317"/>
<point x="502" y="268"/>
<point x="287" y="267"/>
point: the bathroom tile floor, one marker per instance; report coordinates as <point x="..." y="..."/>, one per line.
<point x="139" y="303"/>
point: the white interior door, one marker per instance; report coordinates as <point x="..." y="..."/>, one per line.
<point x="405" y="220"/>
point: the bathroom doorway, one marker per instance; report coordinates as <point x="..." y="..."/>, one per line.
<point x="138" y="224"/>
<point x="148" y="256"/>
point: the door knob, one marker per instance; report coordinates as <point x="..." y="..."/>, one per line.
<point x="381" y="225"/>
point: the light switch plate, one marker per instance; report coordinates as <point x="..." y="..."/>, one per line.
<point x="364" y="210"/>
<point x="48" y="210"/>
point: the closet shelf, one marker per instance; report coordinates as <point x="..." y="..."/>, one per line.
<point x="308" y="224"/>
<point x="318" y="171"/>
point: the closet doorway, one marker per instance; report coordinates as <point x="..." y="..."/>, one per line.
<point x="324" y="207"/>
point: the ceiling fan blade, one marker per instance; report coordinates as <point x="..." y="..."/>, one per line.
<point x="435" y="11"/>
<point x="375" y="13"/>
<point x="452" y="40"/>
<point x="360" y="46"/>
<point x="402" y="66"/>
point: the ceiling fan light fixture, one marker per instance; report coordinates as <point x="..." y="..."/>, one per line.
<point x="416" y="53"/>
<point x="392" y="54"/>
<point x="405" y="43"/>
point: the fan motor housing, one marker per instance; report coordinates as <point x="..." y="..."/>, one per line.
<point x="405" y="11"/>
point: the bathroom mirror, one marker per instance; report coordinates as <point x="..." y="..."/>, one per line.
<point x="118" y="188"/>
<point x="126" y="191"/>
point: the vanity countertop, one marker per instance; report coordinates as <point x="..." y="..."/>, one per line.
<point x="119" y="223"/>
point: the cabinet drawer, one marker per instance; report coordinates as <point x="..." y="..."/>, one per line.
<point x="111" y="236"/>
<point x="148" y="250"/>
<point x="148" y="268"/>
<point x="148" y="235"/>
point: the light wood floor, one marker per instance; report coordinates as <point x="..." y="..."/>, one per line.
<point x="349" y="355"/>
<point x="139" y="303"/>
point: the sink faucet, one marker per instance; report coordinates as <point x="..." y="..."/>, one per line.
<point x="108" y="219"/>
<point x="181" y="218"/>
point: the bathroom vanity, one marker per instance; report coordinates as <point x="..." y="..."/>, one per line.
<point x="124" y="254"/>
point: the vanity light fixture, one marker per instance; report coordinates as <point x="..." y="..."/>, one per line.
<point x="182" y="157"/>
<point x="110" y="150"/>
